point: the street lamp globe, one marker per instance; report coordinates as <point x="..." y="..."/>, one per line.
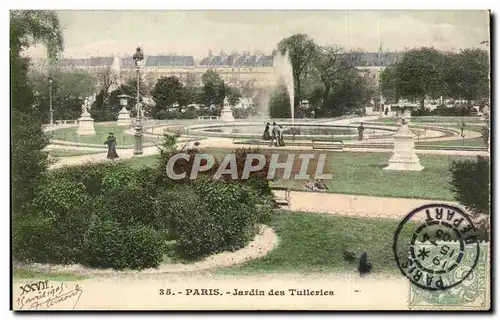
<point x="138" y="55"/>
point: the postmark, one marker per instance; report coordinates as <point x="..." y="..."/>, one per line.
<point x="436" y="247"/>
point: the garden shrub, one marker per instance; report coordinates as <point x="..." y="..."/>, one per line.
<point x="133" y="205"/>
<point x="31" y="238"/>
<point x="52" y="230"/>
<point x="234" y="207"/>
<point x="91" y="175"/>
<point x="471" y="184"/>
<point x="105" y="242"/>
<point x="210" y="216"/>
<point x="122" y="176"/>
<point x="58" y="197"/>
<point x="471" y="187"/>
<point x="109" y="244"/>
<point x="144" y="247"/>
<point x="189" y="223"/>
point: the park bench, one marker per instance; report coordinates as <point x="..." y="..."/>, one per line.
<point x="330" y="144"/>
<point x="282" y="196"/>
<point x="208" y="118"/>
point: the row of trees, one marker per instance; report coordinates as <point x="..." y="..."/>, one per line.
<point x="170" y="91"/>
<point x="69" y="88"/>
<point x="427" y="72"/>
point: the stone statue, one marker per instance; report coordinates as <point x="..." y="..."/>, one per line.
<point x="85" y="106"/>
<point x="226" y="102"/>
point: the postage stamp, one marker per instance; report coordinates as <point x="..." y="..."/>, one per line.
<point x="250" y="160"/>
<point x="446" y="264"/>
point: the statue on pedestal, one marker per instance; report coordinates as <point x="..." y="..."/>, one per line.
<point x="226" y="112"/>
<point x="85" y="122"/>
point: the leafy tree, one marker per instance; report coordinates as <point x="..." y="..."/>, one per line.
<point x="301" y="50"/>
<point x="129" y="87"/>
<point x="467" y="75"/>
<point x="420" y="74"/>
<point x="28" y="161"/>
<point x="106" y="81"/>
<point x="214" y="90"/>
<point x="347" y="95"/>
<point x="279" y="103"/>
<point x="331" y="64"/>
<point x="234" y="95"/>
<point x="69" y="90"/>
<point x="194" y="94"/>
<point x="166" y="92"/>
<point x="191" y="81"/>
<point x="389" y="83"/>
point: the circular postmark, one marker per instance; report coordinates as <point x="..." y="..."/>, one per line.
<point x="436" y="246"/>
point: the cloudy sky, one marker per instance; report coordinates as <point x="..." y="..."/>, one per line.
<point x="90" y="33"/>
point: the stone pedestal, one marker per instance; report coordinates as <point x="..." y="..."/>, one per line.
<point x="124" y="118"/>
<point x="85" y="125"/>
<point x="226" y="114"/>
<point x="404" y="157"/>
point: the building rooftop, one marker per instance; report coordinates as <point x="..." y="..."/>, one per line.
<point x="368" y="59"/>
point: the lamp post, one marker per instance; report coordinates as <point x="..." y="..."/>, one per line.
<point x="138" y="56"/>
<point x="51" y="111"/>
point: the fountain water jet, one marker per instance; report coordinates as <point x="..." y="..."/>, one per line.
<point x="284" y="73"/>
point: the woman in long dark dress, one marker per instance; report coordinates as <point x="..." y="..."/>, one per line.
<point x="111" y="143"/>
<point x="266" y="135"/>
<point x="281" y="139"/>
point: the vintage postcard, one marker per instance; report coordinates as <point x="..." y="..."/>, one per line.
<point x="250" y="160"/>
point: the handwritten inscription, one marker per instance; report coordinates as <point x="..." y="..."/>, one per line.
<point x="43" y="295"/>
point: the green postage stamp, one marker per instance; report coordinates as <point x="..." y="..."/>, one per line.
<point x="471" y="293"/>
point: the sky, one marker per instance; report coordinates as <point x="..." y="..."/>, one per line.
<point x="100" y="33"/>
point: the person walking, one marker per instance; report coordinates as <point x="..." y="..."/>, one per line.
<point x="462" y="128"/>
<point x="111" y="143"/>
<point x="274" y="135"/>
<point x="266" y="136"/>
<point x="281" y="139"/>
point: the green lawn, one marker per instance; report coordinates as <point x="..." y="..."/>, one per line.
<point x="55" y="276"/>
<point x="70" y="153"/>
<point x="316" y="242"/>
<point x="433" y="120"/>
<point x="362" y="173"/>
<point x="102" y="132"/>
<point x="475" y="142"/>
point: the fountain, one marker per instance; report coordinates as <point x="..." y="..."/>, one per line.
<point x="284" y="72"/>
